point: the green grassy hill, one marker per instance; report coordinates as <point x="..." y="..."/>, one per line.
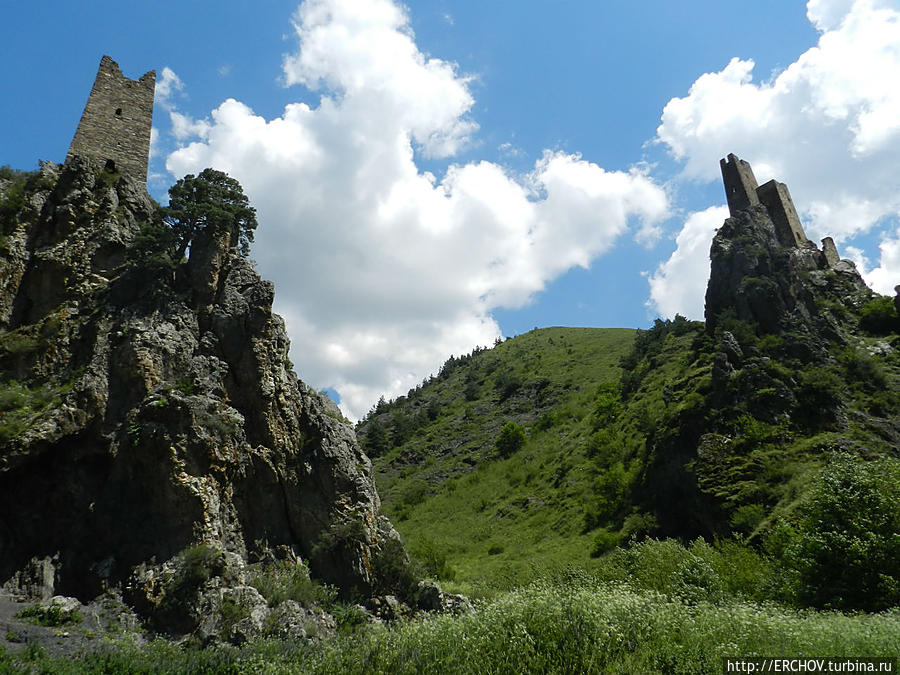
<point x="622" y="435"/>
<point x="452" y="493"/>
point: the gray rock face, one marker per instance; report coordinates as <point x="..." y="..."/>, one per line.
<point x="755" y="278"/>
<point x="147" y="413"/>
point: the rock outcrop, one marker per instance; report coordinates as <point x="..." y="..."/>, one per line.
<point x="150" y="409"/>
<point x="755" y="278"/>
<point x="766" y="273"/>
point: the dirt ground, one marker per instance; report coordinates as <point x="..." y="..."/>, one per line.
<point x="102" y="622"/>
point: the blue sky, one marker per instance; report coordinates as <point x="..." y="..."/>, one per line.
<point x="431" y="175"/>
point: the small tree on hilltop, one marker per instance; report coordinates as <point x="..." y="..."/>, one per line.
<point x="211" y="203"/>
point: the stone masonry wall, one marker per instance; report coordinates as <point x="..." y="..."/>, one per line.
<point x="115" y="125"/>
<point x="740" y="184"/>
<point x="742" y="192"/>
<point x="778" y="201"/>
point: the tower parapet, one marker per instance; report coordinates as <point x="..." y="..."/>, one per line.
<point x="778" y="203"/>
<point x="830" y="250"/>
<point x="115" y="125"/>
<point x="740" y="183"/>
<point x="742" y="192"/>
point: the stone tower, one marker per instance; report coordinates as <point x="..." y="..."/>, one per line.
<point x="742" y="192"/>
<point x="115" y="124"/>
<point x="740" y="183"/>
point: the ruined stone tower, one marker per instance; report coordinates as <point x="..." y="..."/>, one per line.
<point x="115" y="124"/>
<point x="742" y="191"/>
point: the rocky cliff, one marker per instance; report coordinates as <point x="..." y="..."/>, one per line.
<point x="148" y="409"/>
<point x="778" y="288"/>
<point x="799" y="360"/>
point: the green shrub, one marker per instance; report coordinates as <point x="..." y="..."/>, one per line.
<point x="393" y="571"/>
<point x="510" y="440"/>
<point x="348" y="617"/>
<point x="746" y="518"/>
<point x="21" y="406"/>
<point x="544" y="422"/>
<point x="604" y="446"/>
<point x="742" y="570"/>
<point x="603" y="542"/>
<point x="695" y="580"/>
<point x="12" y="199"/>
<point x="506" y="384"/>
<point x="863" y="372"/>
<point x="284" y="580"/>
<point x="819" y="395"/>
<point x="19" y="342"/>
<point x="651" y="564"/>
<point x="846" y="548"/>
<point x="376" y="441"/>
<point x="108" y="176"/>
<point x="879" y="316"/>
<point x="342" y="534"/>
<point x="52" y="615"/>
<point x="232" y="611"/>
<point x="432" y="559"/>
<point x="414" y="493"/>
<point x="200" y="563"/>
<point x="607" y="406"/>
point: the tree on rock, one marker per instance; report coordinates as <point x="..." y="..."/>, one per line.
<point x="211" y="204"/>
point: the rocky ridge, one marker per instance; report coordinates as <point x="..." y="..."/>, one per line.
<point x="151" y="412"/>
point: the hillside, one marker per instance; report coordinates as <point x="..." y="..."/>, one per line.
<point x="444" y="476"/>
<point x="687" y="429"/>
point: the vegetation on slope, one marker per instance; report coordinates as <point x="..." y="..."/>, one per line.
<point x="653" y="443"/>
<point x="675" y="615"/>
<point x="466" y="500"/>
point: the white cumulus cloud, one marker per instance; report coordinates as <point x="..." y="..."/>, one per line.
<point x="886" y="276"/>
<point x="383" y="270"/>
<point x="828" y="125"/>
<point x="168" y="84"/>
<point x="678" y="285"/>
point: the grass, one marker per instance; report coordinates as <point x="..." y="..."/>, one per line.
<point x="498" y="518"/>
<point x="447" y="486"/>
<point x="285" y="580"/>
<point x="52" y="616"/>
<point x="565" y="624"/>
<point x="614" y="447"/>
<point x="21" y="406"/>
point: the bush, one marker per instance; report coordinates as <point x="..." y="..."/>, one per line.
<point x="607" y="406"/>
<point x="506" y="384"/>
<point x="200" y="563"/>
<point x="53" y="615"/>
<point x="285" y="580"/>
<point x="863" y="372"/>
<point x="393" y="571"/>
<point x="545" y="421"/>
<point x="879" y="316"/>
<point x="818" y="397"/>
<point x="846" y="548"/>
<point x="13" y="196"/>
<point x="604" y="541"/>
<point x="433" y="560"/>
<point x="20" y="406"/>
<point x="511" y="439"/>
